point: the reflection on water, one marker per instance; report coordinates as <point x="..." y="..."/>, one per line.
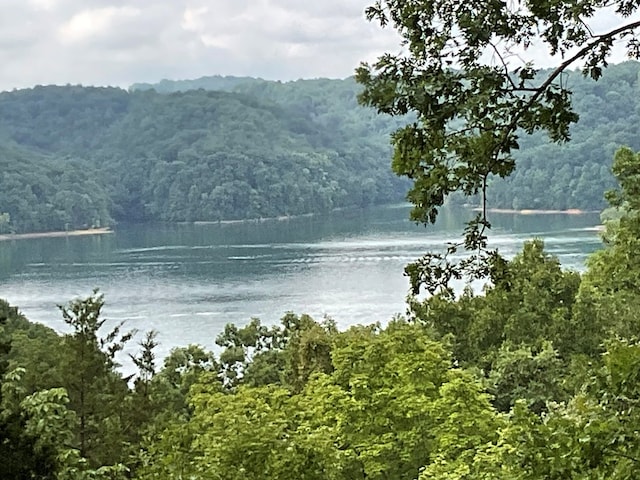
<point x="187" y="281"/>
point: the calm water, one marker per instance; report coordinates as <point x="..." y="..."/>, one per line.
<point x="188" y="281"/>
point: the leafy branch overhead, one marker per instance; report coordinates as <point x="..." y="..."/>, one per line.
<point x="462" y="74"/>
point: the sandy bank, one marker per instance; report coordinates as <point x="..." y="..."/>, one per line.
<point x="281" y="218"/>
<point x="571" y="211"/>
<point x="70" y="233"/>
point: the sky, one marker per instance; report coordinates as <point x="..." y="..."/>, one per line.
<point x="120" y="42"/>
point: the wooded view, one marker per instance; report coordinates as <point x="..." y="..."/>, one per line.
<point x="80" y="157"/>
<point x="534" y="376"/>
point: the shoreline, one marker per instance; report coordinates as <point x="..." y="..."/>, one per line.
<point x="280" y="218"/>
<point x="528" y="211"/>
<point x="106" y="230"/>
<point x="55" y="234"/>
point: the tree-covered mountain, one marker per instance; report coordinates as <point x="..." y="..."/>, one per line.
<point x="547" y="176"/>
<point x="44" y="192"/>
<point x="575" y="174"/>
<point x="196" y="155"/>
<point x="221" y="148"/>
<point x="213" y="82"/>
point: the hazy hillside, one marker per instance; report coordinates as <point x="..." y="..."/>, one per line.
<point x="574" y="175"/>
<point x="221" y="148"/>
<point x="198" y="155"/>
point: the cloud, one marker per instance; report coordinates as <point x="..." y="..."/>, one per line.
<point x="99" y="22"/>
<point x="266" y="36"/>
<point x="121" y="42"/>
<point x="306" y="39"/>
<point x="118" y="42"/>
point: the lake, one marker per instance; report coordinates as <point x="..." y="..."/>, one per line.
<point x="188" y="280"/>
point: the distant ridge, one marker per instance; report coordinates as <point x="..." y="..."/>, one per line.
<point x="213" y="82"/>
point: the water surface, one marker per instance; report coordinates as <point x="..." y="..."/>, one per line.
<point x="187" y="281"/>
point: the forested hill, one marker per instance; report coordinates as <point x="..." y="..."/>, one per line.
<point x="575" y="174"/>
<point x="221" y="148"/>
<point x="548" y="176"/>
<point x="76" y="157"/>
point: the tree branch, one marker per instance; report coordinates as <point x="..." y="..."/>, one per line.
<point x="504" y="65"/>
<point x="513" y="125"/>
<point x="562" y="67"/>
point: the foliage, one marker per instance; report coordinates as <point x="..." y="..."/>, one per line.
<point x="460" y="74"/>
<point x="96" y="391"/>
<point x="529" y="302"/>
<point x="469" y="116"/>
<point x="591" y="436"/>
<point x="45" y="192"/>
<point x="608" y="300"/>
<point x="537" y="378"/>
<point x="373" y="416"/>
<point x="22" y="457"/>
<point x="392" y="380"/>
<point x="258" y="355"/>
<point x="37" y="427"/>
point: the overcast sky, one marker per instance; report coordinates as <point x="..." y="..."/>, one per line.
<point x="119" y="42"/>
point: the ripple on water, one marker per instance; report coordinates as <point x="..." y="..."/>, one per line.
<point x="187" y="290"/>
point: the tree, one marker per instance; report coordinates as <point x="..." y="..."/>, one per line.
<point x="181" y="370"/>
<point x="530" y="302"/>
<point x="391" y="380"/>
<point x="96" y="391"/>
<point x="461" y="76"/>
<point x="22" y="456"/>
<point x="389" y="405"/>
<point x="608" y="298"/>
<point x="259" y="355"/>
<point x="591" y="436"/>
<point x="38" y="430"/>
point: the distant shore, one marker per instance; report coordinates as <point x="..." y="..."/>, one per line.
<point x="70" y="233"/>
<point x="106" y="230"/>
<point x="570" y="211"/>
<point x="280" y="218"/>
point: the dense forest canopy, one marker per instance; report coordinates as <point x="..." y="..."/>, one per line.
<point x="197" y="155"/>
<point x="221" y="148"/>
